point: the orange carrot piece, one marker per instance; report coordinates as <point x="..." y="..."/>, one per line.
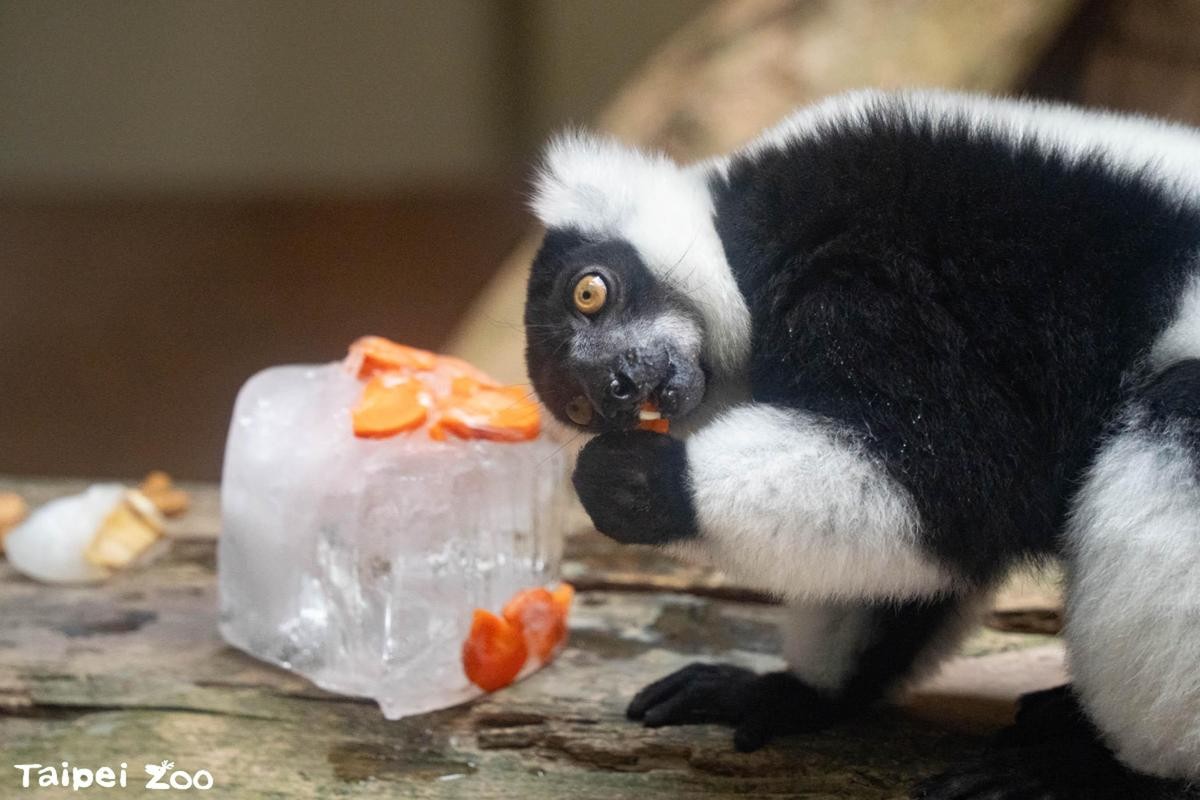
<point x="536" y="613"/>
<point x="504" y="415"/>
<point x="384" y="355"/>
<point x="660" y="425"/>
<point x="564" y="595"/>
<point x="387" y="408"/>
<point x="464" y="369"/>
<point x="656" y="425"/>
<point x="494" y="651"/>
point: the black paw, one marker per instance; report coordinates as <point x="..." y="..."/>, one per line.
<point x="1068" y="762"/>
<point x="759" y="707"/>
<point x="989" y="779"/>
<point x="1047" y="715"/>
<point x="634" y="486"/>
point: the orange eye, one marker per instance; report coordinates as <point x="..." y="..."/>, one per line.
<point x="591" y="292"/>
<point x="579" y="410"/>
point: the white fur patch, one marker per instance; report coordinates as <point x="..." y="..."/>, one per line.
<point x="1133" y="622"/>
<point x="822" y="642"/>
<point x="786" y="503"/>
<point x="600" y="187"/>
<point x="1181" y="338"/>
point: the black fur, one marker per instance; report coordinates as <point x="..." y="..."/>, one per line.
<point x="972" y="306"/>
<point x="1052" y="753"/>
<point x="1169" y="405"/>
<point x="634" y="485"/>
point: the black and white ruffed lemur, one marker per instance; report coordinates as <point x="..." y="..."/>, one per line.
<point x="906" y="341"/>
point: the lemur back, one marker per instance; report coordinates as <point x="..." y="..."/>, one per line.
<point x="1001" y="284"/>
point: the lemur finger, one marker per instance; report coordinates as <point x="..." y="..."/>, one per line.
<point x="704" y="700"/>
<point x="665" y="687"/>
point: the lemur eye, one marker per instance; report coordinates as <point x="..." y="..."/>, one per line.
<point x="591" y="292"/>
<point x="579" y="410"/>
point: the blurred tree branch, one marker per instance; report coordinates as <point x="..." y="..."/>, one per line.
<point x="744" y="64"/>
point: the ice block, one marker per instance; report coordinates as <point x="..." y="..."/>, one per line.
<point x="360" y="562"/>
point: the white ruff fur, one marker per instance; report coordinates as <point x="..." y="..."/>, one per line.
<point x="601" y="188"/>
<point x="1133" y="622"/>
<point x="786" y="503"/>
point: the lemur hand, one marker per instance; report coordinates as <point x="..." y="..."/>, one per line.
<point x="634" y="486"/>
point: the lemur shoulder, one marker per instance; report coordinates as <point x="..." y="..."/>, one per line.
<point x="909" y="340"/>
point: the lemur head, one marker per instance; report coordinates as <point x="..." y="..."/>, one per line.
<point x="630" y="298"/>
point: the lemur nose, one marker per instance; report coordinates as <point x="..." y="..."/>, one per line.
<point x="622" y="386"/>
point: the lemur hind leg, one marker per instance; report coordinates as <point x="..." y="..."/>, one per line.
<point x="1130" y="725"/>
<point x="1052" y="752"/>
<point x="1133" y="597"/>
<point x="842" y="657"/>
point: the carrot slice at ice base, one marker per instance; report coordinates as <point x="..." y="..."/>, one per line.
<point x="389" y="407"/>
<point x="383" y="355"/>
<point x="564" y="595"/>
<point x="541" y="619"/>
<point x="505" y="414"/>
<point x="494" y="651"/>
<point x="533" y="623"/>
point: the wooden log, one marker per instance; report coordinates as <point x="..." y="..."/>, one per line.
<point x="134" y="671"/>
<point x="744" y="64"/>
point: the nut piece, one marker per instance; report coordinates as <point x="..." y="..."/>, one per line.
<point x="169" y="500"/>
<point x="131" y="529"/>
<point x="13" y="510"/>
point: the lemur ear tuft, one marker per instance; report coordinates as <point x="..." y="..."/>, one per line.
<point x="592" y="182"/>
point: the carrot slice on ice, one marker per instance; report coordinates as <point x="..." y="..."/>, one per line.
<point x="504" y="414"/>
<point x="543" y="624"/>
<point x="384" y="355"/>
<point x="388" y="407"/>
<point x="463" y="369"/>
<point x="494" y="651"/>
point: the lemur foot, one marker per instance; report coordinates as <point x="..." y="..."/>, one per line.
<point x="759" y="707"/>
<point x="1052" y="753"/>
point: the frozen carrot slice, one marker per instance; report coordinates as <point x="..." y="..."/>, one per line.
<point x="542" y="623"/>
<point x="463" y="369"/>
<point x="564" y="595"/>
<point x="494" y="651"/>
<point x="388" y="407"/>
<point x="383" y="355"/>
<point x="505" y="414"/>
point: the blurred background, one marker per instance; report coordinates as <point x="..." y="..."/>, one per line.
<point x="192" y="191"/>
